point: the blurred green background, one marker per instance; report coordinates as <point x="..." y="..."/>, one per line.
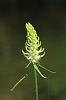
<point x="49" y="19"/>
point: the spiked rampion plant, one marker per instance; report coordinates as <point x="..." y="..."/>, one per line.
<point x="33" y="54"/>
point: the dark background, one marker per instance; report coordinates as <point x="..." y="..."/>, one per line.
<point x="49" y="19"/>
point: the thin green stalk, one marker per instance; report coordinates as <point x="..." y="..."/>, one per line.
<point x="25" y="76"/>
<point x="36" y="83"/>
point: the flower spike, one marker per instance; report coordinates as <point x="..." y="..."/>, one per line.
<point x="32" y="44"/>
<point x="33" y="48"/>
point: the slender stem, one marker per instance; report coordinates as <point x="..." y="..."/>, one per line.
<point x="36" y="83"/>
<point x="25" y="76"/>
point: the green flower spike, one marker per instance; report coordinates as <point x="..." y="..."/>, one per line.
<point x="32" y="45"/>
<point x="33" y="54"/>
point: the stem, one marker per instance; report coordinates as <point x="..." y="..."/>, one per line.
<point x="25" y="76"/>
<point x="36" y="83"/>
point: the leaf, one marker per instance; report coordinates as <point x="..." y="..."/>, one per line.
<point x="35" y="66"/>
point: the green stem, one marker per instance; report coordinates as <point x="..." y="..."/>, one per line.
<point x="26" y="75"/>
<point x="36" y="83"/>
